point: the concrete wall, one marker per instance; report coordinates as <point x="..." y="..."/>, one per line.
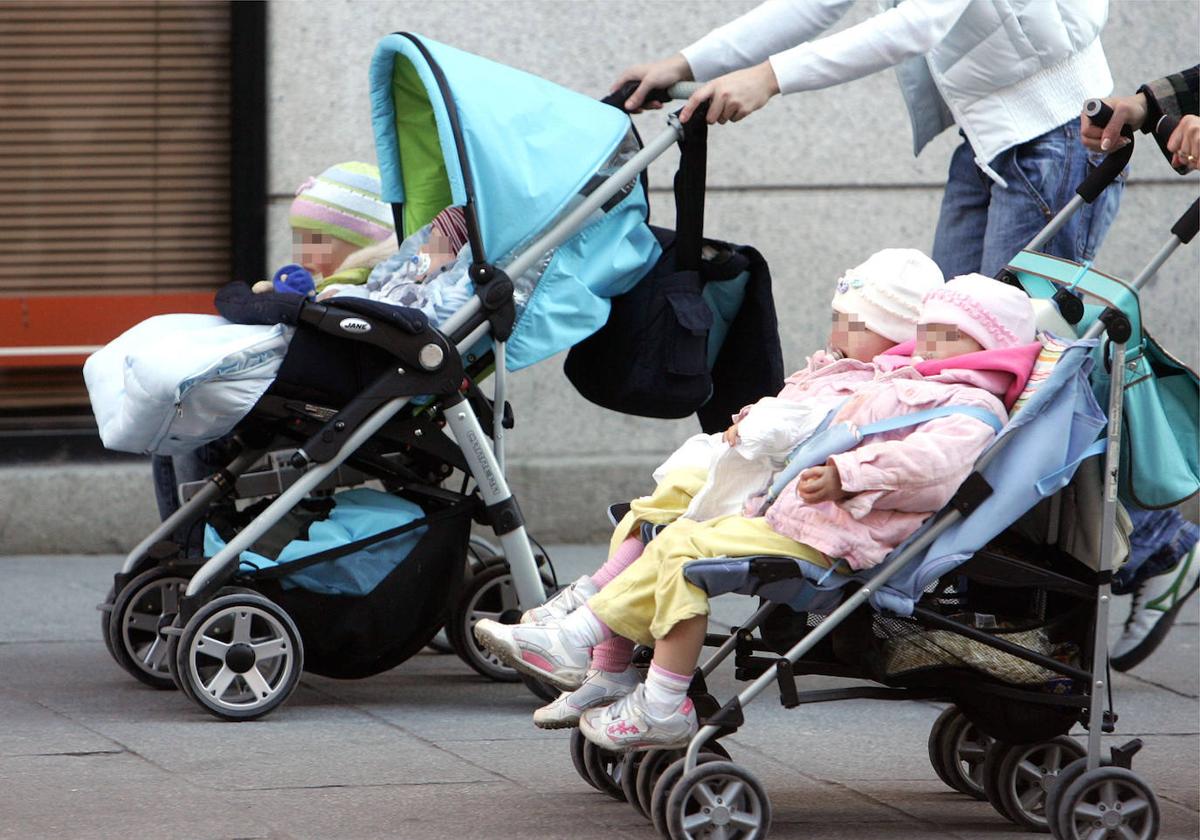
<point x="815" y="181"/>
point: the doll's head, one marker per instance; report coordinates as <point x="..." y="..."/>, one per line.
<point x="972" y="313"/>
<point x="336" y="214"/>
<point x="876" y="304"/>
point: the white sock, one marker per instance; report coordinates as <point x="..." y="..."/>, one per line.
<point x="583" y="629"/>
<point x="665" y="691"/>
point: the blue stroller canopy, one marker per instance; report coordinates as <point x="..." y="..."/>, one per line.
<point x="452" y="128"/>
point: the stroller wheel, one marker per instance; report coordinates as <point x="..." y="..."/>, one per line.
<point x="718" y="798"/>
<point x="964" y="747"/>
<point x="105" y="609"/>
<point x="488" y="594"/>
<point x="630" y="764"/>
<point x="1024" y="776"/>
<point x="142" y="608"/>
<point x="1062" y="782"/>
<point x="604" y="769"/>
<point x="648" y="774"/>
<point x="577" y="744"/>
<point x="1108" y="802"/>
<point x="667" y="779"/>
<point x="240" y="656"/>
<point x="541" y="690"/>
<point x="933" y="745"/>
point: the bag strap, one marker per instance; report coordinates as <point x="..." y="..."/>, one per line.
<point x="905" y="420"/>
<point x="689" y="193"/>
<point x="845" y="442"/>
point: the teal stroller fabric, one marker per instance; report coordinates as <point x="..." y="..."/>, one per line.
<point x="1160" y="428"/>
<point x="452" y="128"/>
<point x="355" y="517"/>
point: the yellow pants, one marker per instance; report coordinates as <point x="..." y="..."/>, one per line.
<point x="650" y="597"/>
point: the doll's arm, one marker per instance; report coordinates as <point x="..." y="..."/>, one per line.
<point x="916" y="474"/>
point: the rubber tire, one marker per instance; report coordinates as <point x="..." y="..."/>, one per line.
<point x="666" y="783"/>
<point x="104" y="614"/>
<point x="1074" y="793"/>
<point x="576" y="746"/>
<point x="677" y="801"/>
<point x="952" y="759"/>
<point x="285" y="687"/>
<point x="1065" y="777"/>
<point x="1006" y="773"/>
<point x="649" y="771"/>
<point x="116" y="620"/>
<point x="629" y="775"/>
<point x="933" y="745"/>
<point x="459" y="628"/>
<point x="541" y="690"/>
<point x="991" y="781"/>
<point x="604" y="769"/>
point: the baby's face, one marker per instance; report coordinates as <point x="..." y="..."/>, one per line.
<point x="439" y="250"/>
<point x="943" y="341"/>
<point x="320" y="253"/>
<point x="850" y="337"/>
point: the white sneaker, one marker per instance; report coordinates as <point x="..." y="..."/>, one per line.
<point x="565" y="601"/>
<point x="599" y="689"/>
<point x="539" y="650"/>
<point x="1156" y="603"/>
<point x="627" y="725"/>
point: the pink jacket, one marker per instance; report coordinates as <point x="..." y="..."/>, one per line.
<point x="822" y="376"/>
<point x="900" y="477"/>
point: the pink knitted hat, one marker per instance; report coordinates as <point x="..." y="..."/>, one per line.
<point x="993" y="313"/>
<point x="343" y="202"/>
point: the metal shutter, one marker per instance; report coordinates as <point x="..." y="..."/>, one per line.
<point x="114" y="180"/>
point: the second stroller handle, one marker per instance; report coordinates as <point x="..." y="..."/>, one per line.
<point x="1114" y="164"/>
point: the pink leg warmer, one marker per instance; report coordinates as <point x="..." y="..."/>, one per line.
<point x="612" y="655"/>
<point x="625" y="554"/>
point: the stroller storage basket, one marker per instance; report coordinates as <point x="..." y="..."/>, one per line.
<point x="366" y="605"/>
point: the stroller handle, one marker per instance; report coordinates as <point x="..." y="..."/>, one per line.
<point x="679" y="90"/>
<point x="1099" y="112"/>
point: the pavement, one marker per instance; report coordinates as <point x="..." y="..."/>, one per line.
<point x="430" y="750"/>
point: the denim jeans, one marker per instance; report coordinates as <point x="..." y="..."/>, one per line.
<point x="984" y="225"/>
<point x="170" y="471"/>
<point x="1159" y="539"/>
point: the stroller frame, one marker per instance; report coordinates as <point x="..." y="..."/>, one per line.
<point x="439" y="350"/>
<point x="718" y="722"/>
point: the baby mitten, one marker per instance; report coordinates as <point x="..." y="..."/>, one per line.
<point x="294" y="279"/>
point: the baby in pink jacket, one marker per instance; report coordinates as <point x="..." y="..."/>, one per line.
<point x="973" y="336"/>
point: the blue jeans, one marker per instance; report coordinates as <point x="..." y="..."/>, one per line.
<point x="984" y="225"/>
<point x="1159" y="539"/>
<point x="171" y="471"/>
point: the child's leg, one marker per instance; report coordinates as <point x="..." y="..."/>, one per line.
<point x="667" y="503"/>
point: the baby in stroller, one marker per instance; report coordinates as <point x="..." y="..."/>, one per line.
<point x="973" y="351"/>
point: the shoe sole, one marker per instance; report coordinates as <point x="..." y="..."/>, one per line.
<point x="564" y="723"/>
<point x="1142" y="651"/>
<point x="514" y="661"/>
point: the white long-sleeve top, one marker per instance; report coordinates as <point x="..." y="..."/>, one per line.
<point x="1005" y="71"/>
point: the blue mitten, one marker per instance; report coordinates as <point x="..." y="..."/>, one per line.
<point x="294" y="279"/>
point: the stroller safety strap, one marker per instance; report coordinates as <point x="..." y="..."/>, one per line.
<point x="843" y="437"/>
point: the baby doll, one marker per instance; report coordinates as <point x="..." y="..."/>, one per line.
<point x="857" y="507"/>
<point x="875" y="306"/>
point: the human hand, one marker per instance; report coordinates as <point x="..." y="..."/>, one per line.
<point x="735" y="95"/>
<point x="820" y="484"/>
<point x="1127" y="111"/>
<point x="656" y="74"/>
<point x="1184" y="142"/>
<point x="731" y="435"/>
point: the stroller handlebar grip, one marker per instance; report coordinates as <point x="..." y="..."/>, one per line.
<point x="679" y="90"/>
<point x="1099" y="112"/>
<point x="1188" y="223"/>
